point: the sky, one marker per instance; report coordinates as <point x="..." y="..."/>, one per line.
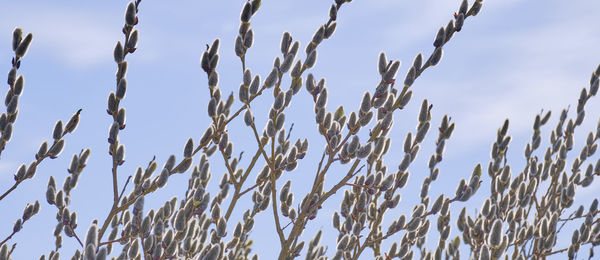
<point x="514" y="59"/>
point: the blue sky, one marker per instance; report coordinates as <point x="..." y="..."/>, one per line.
<point x="512" y="60"/>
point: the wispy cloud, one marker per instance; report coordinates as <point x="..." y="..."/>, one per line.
<point x="426" y="16"/>
<point x="481" y="115"/>
<point x="524" y="80"/>
<point x="75" y="37"/>
<point x="6" y="168"/>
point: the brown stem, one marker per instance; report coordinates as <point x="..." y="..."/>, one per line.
<point x="143" y="247"/>
<point x="37" y="162"/>
<point x="111" y="241"/>
<point x="270" y="163"/>
<point x="11" y="189"/>
<point x="76" y="237"/>
<point x="8" y="238"/>
<point x="113" y="147"/>
<point x="554" y="252"/>
<point x="300" y="221"/>
<point x="124" y="186"/>
<point x="238" y="187"/>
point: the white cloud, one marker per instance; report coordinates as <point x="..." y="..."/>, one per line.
<point x="7" y="168"/>
<point x="423" y="19"/>
<point x="539" y="68"/>
<point x="74" y="37"/>
<point x="483" y="114"/>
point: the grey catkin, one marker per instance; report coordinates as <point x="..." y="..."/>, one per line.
<point x="421" y="132"/>
<point x="17" y="37"/>
<point x="91" y="237"/>
<point x="495" y="235"/>
<point x="271" y="78"/>
<point x="130" y="14"/>
<point x="248" y="118"/>
<point x="364" y="151"/>
<point x="410" y="76"/>
<point x="132" y="41"/>
<point x="390" y="73"/>
<point x="120" y="155"/>
<point x="21" y="50"/>
<point x="248" y="38"/>
<point x="440" y="38"/>
<point x="330" y="30"/>
<point x="437" y="205"/>
<point x="74" y="122"/>
<point x="213" y="253"/>
<point x="405" y="99"/>
<point x="162" y="178"/>
<point x="365" y="105"/>
<point x="11" y="108"/>
<point x="102" y="254"/>
<point x="371" y="188"/>
<point x="295" y="73"/>
<point x="19" y="83"/>
<point x="57" y="148"/>
<point x="20" y="174"/>
<point x="322" y="99"/>
<point x="287" y="62"/>
<point x="246" y="12"/>
<point x="279" y="101"/>
<point x="58" y="130"/>
<point x="286" y="40"/>
<point x="213" y="79"/>
<point x="366" y="118"/>
<point x="382" y="63"/>
<point x="112" y="103"/>
<point x="7" y="132"/>
<point x="254" y="85"/>
<point x="121" y="88"/>
<point x="311" y="59"/>
<point x="436" y="56"/>
<point x="118" y="53"/>
<point x="318" y="36"/>
<point x="213" y="62"/>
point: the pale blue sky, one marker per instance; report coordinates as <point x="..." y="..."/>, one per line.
<point x="512" y="60"/>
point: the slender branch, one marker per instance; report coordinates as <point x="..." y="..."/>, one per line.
<point x="154" y="187"/>
<point x="237" y="194"/>
<point x="124" y="186"/>
<point x="78" y="240"/>
<point x="114" y="178"/>
<point x="554" y="252"/>
<point x="227" y="165"/>
<point x="112" y="241"/>
<point x="300" y="220"/>
<point x="144" y="249"/>
<point x="127" y="30"/>
<point x="16" y="62"/>
<point x="7" y="238"/>
<point x="270" y="163"/>
<point x="11" y="189"/>
<point x="37" y="162"/>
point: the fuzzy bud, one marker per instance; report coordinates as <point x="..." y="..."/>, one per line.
<point x="436" y="56"/>
<point x="311" y="59"/>
<point x="17" y="37"/>
<point x="271" y="78"/>
<point x="56" y="149"/>
<point x="58" y="130"/>
<point x="21" y="50"/>
<point x="130" y="14"/>
<point x="121" y="88"/>
<point x="118" y="53"/>
<point x="495" y="236"/>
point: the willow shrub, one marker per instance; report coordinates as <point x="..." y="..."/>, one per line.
<point x="521" y="216"/>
